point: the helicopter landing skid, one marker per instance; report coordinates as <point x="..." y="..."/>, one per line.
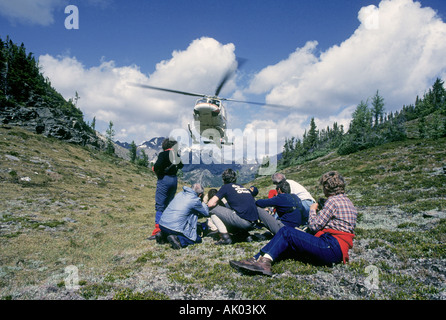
<point x="194" y="139"/>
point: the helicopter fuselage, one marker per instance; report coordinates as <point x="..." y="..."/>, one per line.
<point x="209" y="113"/>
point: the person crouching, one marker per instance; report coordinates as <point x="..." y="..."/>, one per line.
<point x="178" y="224"/>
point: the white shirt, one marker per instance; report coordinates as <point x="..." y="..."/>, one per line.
<point x="300" y="191"/>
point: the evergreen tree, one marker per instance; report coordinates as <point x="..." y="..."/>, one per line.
<point x="93" y="123"/>
<point x="358" y="136"/>
<point x="76" y="98"/>
<point x="437" y="128"/>
<point x="439" y="95"/>
<point x="312" y="136"/>
<point x="3" y="68"/>
<point x="377" y="108"/>
<point x="422" y="130"/>
<point x="132" y="152"/>
<point x="110" y="133"/>
<point x="144" y="161"/>
<point x="361" y="122"/>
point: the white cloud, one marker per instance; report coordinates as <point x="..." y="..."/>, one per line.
<point x="285" y="71"/>
<point x="39" y="12"/>
<point x="398" y="49"/>
<point x="140" y="114"/>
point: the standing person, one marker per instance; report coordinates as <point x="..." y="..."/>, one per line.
<point x="297" y="189"/>
<point x="165" y="168"/>
<point x="242" y="215"/>
<point x="334" y="226"/>
<point x="288" y="209"/>
<point x="178" y="222"/>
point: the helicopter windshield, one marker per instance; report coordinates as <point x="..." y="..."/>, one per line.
<point x="209" y="100"/>
<point x="216" y="102"/>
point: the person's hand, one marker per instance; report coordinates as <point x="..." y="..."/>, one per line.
<point x="314" y="206"/>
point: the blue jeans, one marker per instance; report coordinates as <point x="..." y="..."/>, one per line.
<point x="165" y="192"/>
<point x="291" y="243"/>
<point x="306" y="204"/>
<point x="184" y="241"/>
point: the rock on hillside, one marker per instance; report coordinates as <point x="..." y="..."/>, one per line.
<point x="51" y="122"/>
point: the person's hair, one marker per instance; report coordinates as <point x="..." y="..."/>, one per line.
<point x="332" y="183"/>
<point x="198" y="188"/>
<point x="254" y="191"/>
<point x="212" y="193"/>
<point x="283" y="186"/>
<point x="168" y="143"/>
<point x="277" y="177"/>
<point x="229" y="176"/>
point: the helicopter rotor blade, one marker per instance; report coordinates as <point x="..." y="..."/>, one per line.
<point x="259" y="103"/>
<point x="145" y="86"/>
<point x="228" y="75"/>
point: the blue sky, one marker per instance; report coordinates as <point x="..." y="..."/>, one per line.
<point x="321" y="57"/>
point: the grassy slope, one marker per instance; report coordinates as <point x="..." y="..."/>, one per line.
<point x="84" y="209"/>
<point x="79" y="208"/>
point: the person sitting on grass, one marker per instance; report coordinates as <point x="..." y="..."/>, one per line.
<point x="178" y="224"/>
<point x="242" y="215"/>
<point x="333" y="226"/>
<point x="288" y="209"/>
<point x="297" y="189"/>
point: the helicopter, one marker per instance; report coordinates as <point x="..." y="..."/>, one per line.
<point x="209" y="112"/>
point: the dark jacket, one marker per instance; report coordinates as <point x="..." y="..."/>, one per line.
<point x="163" y="166"/>
<point x="288" y="207"/>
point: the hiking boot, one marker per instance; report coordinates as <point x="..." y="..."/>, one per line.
<point x="154" y="232"/>
<point x="160" y="239"/>
<point x="237" y="264"/>
<point x="242" y="237"/>
<point x="174" y="242"/>
<point x="215" y="235"/>
<point x="261" y="266"/>
<point x="225" y="239"/>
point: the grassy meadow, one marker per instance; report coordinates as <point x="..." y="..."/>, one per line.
<point x="63" y="205"/>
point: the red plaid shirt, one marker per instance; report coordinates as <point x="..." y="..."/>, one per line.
<point x="338" y="213"/>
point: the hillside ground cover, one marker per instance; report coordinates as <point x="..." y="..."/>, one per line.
<point x="65" y="207"/>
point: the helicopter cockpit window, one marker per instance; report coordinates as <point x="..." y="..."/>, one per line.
<point x="216" y="102"/>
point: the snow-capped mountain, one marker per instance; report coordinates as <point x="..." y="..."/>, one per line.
<point x="151" y="148"/>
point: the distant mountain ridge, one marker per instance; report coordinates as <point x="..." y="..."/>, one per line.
<point x="151" y="147"/>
